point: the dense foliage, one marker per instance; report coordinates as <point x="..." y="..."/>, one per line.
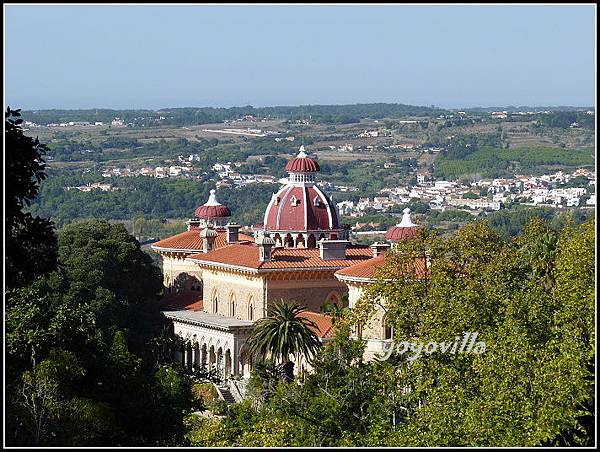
<point x="90" y="329"/>
<point x="30" y="240"/>
<point x="338" y="114"/>
<point x="87" y="352"/>
<point x="153" y="198"/>
<point x="490" y="162"/>
<point x="534" y="383"/>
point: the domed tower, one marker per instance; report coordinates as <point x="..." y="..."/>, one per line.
<point x="404" y="230"/>
<point x="300" y="214"/>
<point x="212" y="212"/>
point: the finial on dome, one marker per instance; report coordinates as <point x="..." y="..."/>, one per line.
<point x="406" y="219"/>
<point x="301" y="153"/>
<point x="212" y="199"/>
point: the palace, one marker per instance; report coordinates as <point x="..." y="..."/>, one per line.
<point x="220" y="280"/>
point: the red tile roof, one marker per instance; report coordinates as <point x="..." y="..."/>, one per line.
<point x="368" y="270"/>
<point x="191" y="241"/>
<point x="189" y="301"/>
<point x="246" y="255"/>
<point x="324" y="323"/>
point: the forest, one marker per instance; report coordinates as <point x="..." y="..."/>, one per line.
<point x="327" y="114"/>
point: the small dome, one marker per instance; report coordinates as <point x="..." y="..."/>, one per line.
<point x="302" y="164"/>
<point x="212" y="208"/>
<point x="406" y="229"/>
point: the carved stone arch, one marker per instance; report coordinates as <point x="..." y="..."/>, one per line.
<point x="184" y="282"/>
<point x="300" y="241"/>
<point x="278" y="241"/>
<point x="311" y="242"/>
<point x="288" y="242"/>
<point x="334" y="297"/>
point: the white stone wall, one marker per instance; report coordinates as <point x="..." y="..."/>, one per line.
<point x="226" y="287"/>
<point x="310" y="293"/>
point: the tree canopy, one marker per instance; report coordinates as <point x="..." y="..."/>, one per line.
<point x="30" y="241"/>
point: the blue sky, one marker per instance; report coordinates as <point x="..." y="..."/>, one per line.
<point x="175" y="56"/>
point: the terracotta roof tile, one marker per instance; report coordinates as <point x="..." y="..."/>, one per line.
<point x="189" y="301"/>
<point x="191" y="241"/>
<point x="302" y="165"/>
<point x="324" y="323"/>
<point x="368" y="269"/>
<point x="246" y="255"/>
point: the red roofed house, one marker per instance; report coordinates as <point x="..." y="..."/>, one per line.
<point x="297" y="256"/>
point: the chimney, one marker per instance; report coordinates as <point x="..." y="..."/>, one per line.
<point x="379" y="248"/>
<point x="233" y="231"/>
<point x="265" y="246"/>
<point x="333" y="249"/>
<point x="208" y="236"/>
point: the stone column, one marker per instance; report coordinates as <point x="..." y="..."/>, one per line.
<point x="203" y="353"/>
<point x="236" y="363"/>
<point x="195" y="355"/>
<point x="185" y="356"/>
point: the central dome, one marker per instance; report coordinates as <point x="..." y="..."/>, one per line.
<point x="300" y="213"/>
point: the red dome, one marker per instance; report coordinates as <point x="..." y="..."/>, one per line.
<point x="212" y="212"/>
<point x="302" y="164"/>
<point x="297" y="208"/>
<point x="406" y="229"/>
<point x="397" y="233"/>
<point x="212" y="208"/>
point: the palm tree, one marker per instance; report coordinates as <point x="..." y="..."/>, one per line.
<point x="285" y="332"/>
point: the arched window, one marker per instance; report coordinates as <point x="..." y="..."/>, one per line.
<point x="333" y="298"/>
<point x="316" y="201"/>
<point x="388" y="330"/>
<point x="294" y="201"/>
<point x="215" y="302"/>
<point x="300" y="241"/>
<point x="251" y="309"/>
<point x="311" y="242"/>
<point x="289" y="241"/>
<point x="232" y="305"/>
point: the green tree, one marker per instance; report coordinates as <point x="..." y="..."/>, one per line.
<point x="30" y="241"/>
<point x="284" y="333"/>
<point x="534" y="383"/>
<point x="101" y="307"/>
